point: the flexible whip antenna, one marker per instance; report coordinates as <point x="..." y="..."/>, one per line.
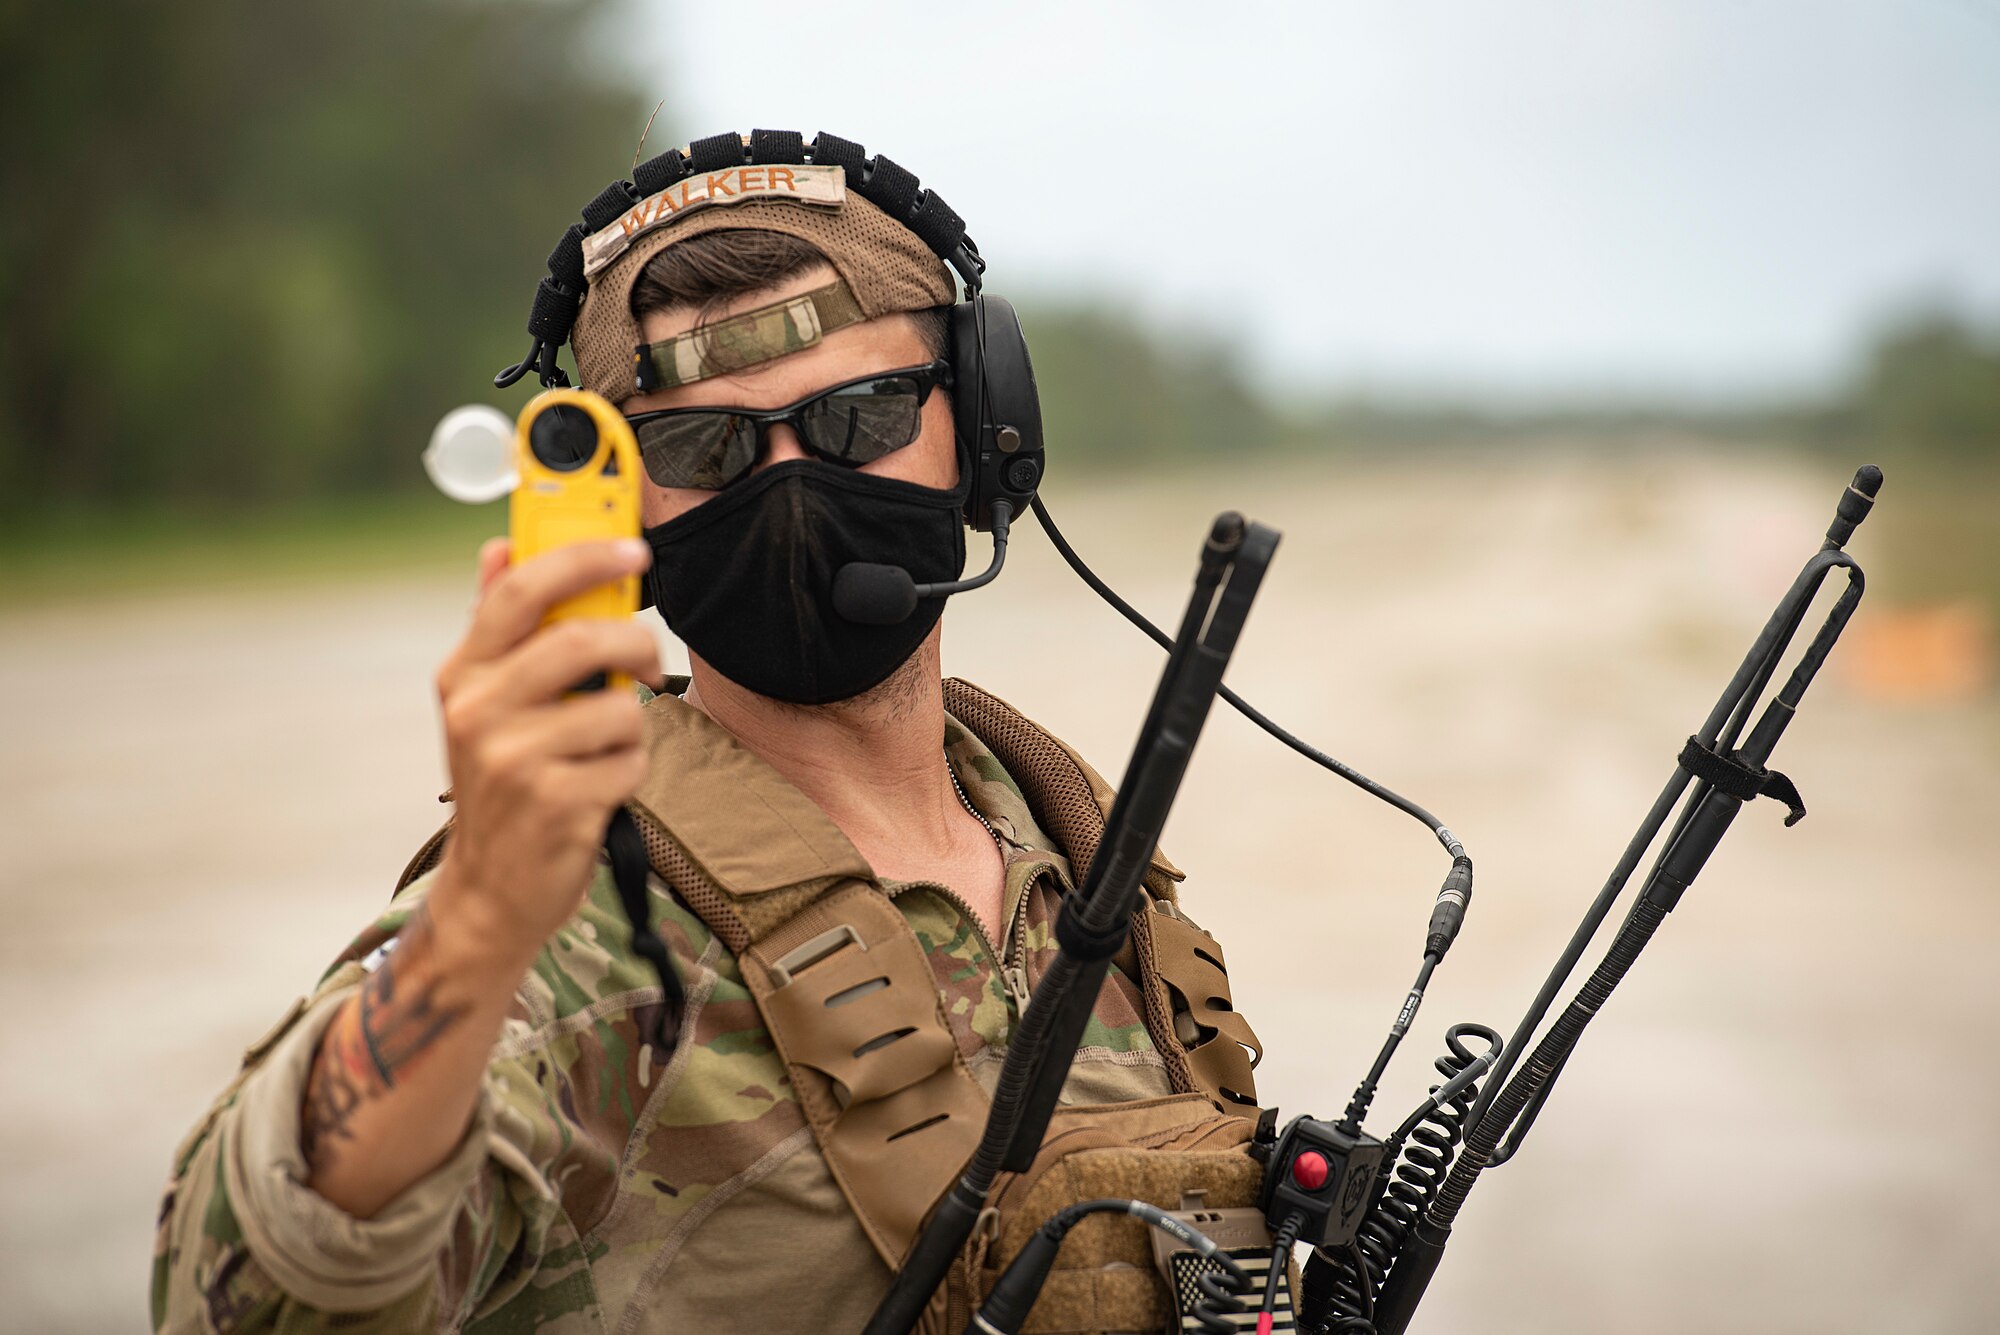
<point x="1725" y="778"/>
<point x="1093" y="924"/>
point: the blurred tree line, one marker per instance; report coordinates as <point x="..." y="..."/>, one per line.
<point x="1930" y="386"/>
<point x="253" y="250"/>
<point x="1926" y="405"/>
<point x="250" y="249"/>
<point x="1925" y="389"/>
<point x="1114" y="389"/>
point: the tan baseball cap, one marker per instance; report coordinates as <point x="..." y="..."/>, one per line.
<point x="884" y="264"/>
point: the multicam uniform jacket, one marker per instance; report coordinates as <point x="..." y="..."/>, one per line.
<point x="599" y="1190"/>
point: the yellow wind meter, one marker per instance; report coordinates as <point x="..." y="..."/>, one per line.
<point x="577" y="467"/>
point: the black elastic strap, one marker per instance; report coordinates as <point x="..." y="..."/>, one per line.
<point x="891" y="187"/>
<point x="566" y="260"/>
<point x="777" y="146"/>
<point x="554" y="311"/>
<point x="657" y="173"/>
<point x="830" y="150"/>
<point x="1730" y="773"/>
<point x="1080" y="943"/>
<point x="936" y="225"/>
<point x="611" y="202"/>
<point x="626" y="848"/>
<point x="717" y="152"/>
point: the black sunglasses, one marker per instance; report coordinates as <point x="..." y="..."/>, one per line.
<point x="850" y="424"/>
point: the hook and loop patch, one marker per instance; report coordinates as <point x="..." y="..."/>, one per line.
<point x="1730" y="773"/>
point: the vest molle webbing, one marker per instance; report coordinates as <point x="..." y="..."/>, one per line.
<point x="846" y="991"/>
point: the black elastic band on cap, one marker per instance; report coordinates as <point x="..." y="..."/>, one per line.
<point x="830" y="150"/>
<point x="566" y="260"/>
<point x="554" y="312"/>
<point x="657" y="173"/>
<point x="891" y="188"/>
<point x="936" y="225"/>
<point x="1730" y="773"/>
<point x="882" y="181"/>
<point x="716" y="152"/>
<point x="611" y="201"/>
<point x="1080" y="943"/>
<point x="779" y="146"/>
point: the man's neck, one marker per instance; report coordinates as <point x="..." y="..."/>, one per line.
<point x="875" y="764"/>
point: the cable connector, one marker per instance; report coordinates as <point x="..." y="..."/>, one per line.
<point x="1006" y="1308"/>
<point x="1454" y="897"/>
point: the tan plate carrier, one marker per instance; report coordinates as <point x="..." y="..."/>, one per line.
<point x="847" y="993"/>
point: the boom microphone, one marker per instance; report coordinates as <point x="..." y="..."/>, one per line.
<point x="869" y="594"/>
<point x="874" y="595"/>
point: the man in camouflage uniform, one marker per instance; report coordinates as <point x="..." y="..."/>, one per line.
<point x="468" y="1124"/>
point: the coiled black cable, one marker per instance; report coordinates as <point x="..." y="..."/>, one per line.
<point x="1339" y="1288"/>
<point x="1223" y="1298"/>
<point x="1332" y="1290"/>
<point x="1421" y="1165"/>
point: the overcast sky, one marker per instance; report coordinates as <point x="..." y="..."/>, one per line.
<point x="1522" y="196"/>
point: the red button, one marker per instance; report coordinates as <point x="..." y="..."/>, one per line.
<point x="1309" y="1170"/>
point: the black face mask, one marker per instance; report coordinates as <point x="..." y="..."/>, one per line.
<point x="746" y="579"/>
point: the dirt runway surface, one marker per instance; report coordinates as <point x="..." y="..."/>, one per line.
<point x="1781" y="1122"/>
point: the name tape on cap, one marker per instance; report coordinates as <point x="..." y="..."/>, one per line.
<point x="825" y="186"/>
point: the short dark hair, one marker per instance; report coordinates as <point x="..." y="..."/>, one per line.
<point x="715" y="267"/>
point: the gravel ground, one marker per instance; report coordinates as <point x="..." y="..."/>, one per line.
<point x="1774" y="1127"/>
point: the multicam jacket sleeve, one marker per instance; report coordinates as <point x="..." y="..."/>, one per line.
<point x="243" y="1246"/>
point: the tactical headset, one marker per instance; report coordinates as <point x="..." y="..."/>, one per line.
<point x="995" y="406"/>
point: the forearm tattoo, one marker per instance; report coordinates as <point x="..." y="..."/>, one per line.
<point x="396" y="1019"/>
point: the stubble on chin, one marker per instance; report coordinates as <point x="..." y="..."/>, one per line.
<point x="898" y="697"/>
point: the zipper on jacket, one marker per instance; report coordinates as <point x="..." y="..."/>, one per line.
<point x="1016" y="979"/>
<point x="1012" y="966"/>
<point x="1015" y="971"/>
<point x="950" y="897"/>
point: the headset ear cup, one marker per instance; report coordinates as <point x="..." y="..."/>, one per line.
<point x="996" y="407"/>
<point x="966" y="378"/>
